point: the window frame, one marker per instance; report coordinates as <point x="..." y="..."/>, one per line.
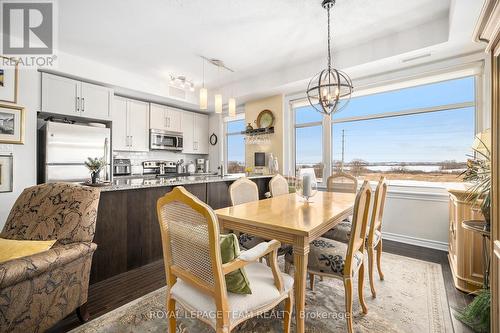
<point x="226" y="120"/>
<point x="299" y="100"/>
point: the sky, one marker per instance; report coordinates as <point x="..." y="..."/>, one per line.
<point x="428" y="137"/>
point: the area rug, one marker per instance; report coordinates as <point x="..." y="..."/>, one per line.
<point x="412" y="298"/>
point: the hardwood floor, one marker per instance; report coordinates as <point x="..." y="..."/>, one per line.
<point x="112" y="293"/>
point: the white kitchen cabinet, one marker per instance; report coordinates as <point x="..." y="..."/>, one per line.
<point x="64" y="96"/>
<point x="60" y="95"/>
<point x="201" y="133"/>
<point x="195" y="133"/>
<point x="130" y="125"/>
<point x="96" y="101"/>
<point x="119" y="127"/>
<point x="138" y="124"/>
<point x="187" y="120"/>
<point x="165" y="118"/>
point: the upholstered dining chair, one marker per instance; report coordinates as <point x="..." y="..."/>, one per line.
<point x="374" y="236"/>
<point x="278" y="185"/>
<point x="344" y="183"/>
<point x="241" y="191"/>
<point x="329" y="258"/>
<point x="196" y="275"/>
<point x="37" y="291"/>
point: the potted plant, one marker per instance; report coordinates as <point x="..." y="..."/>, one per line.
<point x="95" y="165"/>
<point x="478" y="172"/>
<point x="477" y="314"/>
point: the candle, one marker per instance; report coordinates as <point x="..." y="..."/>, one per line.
<point x="307" y="188"/>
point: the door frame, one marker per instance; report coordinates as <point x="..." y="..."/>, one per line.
<point x="488" y="31"/>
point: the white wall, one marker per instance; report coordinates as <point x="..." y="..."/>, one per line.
<point x="24" y="155"/>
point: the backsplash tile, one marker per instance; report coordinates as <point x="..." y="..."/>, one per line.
<point x="136" y="158"/>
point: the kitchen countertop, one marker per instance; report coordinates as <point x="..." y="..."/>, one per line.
<point x="147" y="181"/>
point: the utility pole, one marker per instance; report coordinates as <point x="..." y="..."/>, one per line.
<point x="343" y="150"/>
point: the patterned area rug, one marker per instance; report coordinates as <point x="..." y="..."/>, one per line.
<point x="412" y="298"/>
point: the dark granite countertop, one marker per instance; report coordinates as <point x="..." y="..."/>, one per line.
<point x="146" y="181"/>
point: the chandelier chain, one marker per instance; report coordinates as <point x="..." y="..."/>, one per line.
<point x="329" y="47"/>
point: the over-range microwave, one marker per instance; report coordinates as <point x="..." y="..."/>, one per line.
<point x="165" y="140"/>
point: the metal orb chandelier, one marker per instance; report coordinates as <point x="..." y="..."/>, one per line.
<point x="330" y="90"/>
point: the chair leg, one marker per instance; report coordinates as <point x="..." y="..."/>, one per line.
<point x="361" y="279"/>
<point x="371" y="263"/>
<point x="287" y="320"/>
<point x="172" y="320"/>
<point x="311" y="280"/>
<point x="82" y="312"/>
<point x="379" y="259"/>
<point x="348" y="303"/>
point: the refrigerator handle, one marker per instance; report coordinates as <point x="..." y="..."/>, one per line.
<point x="106" y="152"/>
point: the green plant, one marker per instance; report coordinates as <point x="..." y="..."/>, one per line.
<point x="95" y="164"/>
<point x="479" y="172"/>
<point x="477" y="313"/>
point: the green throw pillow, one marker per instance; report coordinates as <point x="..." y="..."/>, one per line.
<point x="237" y="281"/>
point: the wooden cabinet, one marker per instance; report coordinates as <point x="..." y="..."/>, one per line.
<point x="464" y="246"/>
<point x="64" y="96"/>
<point x="130" y="125"/>
<point x="165" y="118"/>
<point x="195" y="133"/>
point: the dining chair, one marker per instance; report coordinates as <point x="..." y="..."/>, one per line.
<point x="278" y="185"/>
<point x="342" y="182"/>
<point x="329" y="258"/>
<point x="374" y="236"/>
<point x="196" y="275"/>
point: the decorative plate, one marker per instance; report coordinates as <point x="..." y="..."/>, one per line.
<point x="265" y="119"/>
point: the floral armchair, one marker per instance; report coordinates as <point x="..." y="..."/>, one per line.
<point x="39" y="290"/>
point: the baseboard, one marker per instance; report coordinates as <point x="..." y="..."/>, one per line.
<point x="432" y="244"/>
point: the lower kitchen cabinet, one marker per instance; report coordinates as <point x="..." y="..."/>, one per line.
<point x="127" y="229"/>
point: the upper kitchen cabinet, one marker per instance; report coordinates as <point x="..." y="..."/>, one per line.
<point x="165" y="118"/>
<point x="130" y="125"/>
<point x="64" y="96"/>
<point x="195" y="133"/>
<point x="201" y="133"/>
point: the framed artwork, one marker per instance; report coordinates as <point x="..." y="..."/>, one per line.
<point x="6" y="173"/>
<point x="9" y="77"/>
<point x="11" y="124"/>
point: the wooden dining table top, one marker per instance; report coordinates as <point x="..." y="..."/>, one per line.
<point x="290" y="213"/>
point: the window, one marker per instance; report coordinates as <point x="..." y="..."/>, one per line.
<point x="421" y="133"/>
<point x="235" y="146"/>
<point x="309" y="141"/>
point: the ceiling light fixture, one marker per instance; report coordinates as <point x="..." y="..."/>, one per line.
<point x="218" y="103"/>
<point x="327" y="88"/>
<point x="231" y="107"/>
<point x="203" y="92"/>
<point x="180" y="81"/>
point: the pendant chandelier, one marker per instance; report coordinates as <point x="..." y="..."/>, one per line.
<point x="330" y="90"/>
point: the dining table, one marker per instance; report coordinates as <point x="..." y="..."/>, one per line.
<point x="291" y="220"/>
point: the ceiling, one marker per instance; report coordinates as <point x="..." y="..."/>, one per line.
<point x="258" y="38"/>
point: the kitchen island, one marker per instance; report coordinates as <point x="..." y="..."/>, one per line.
<point x="127" y="230"/>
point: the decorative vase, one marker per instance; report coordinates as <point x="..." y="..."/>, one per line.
<point x="94" y="177"/>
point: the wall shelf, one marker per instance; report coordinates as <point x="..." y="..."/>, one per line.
<point x="259" y="131"/>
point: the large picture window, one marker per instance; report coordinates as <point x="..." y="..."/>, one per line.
<point x="235" y="146"/>
<point x="421" y="133"/>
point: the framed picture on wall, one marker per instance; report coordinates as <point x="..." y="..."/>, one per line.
<point x="6" y="173"/>
<point x="11" y="124"/>
<point x="9" y="77"/>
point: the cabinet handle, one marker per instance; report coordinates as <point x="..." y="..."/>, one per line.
<point x="77" y="104"/>
<point x="166" y="122"/>
<point x="83" y="104"/>
<point x="131" y="141"/>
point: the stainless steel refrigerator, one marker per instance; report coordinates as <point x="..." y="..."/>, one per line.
<point x="63" y="149"/>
